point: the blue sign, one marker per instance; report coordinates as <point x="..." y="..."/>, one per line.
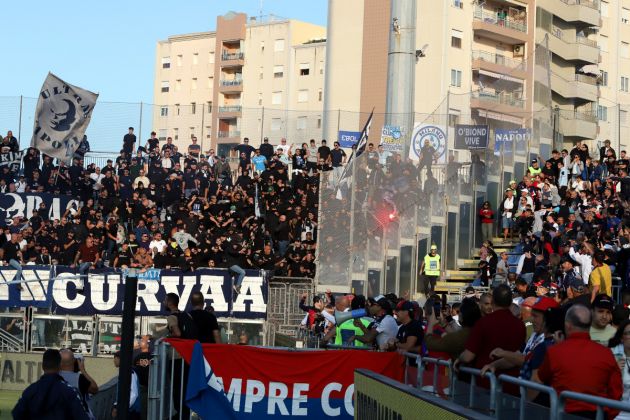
<point x="348" y="138"/>
<point x="509" y="137"/>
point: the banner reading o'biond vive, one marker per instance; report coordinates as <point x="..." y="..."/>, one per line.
<point x="104" y="292"/>
<point x="263" y="383"/>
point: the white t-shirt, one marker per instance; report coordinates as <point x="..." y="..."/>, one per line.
<point x="286" y="148"/>
<point x="508" y="206"/>
<point x="160" y="245"/>
<point x="97" y="178"/>
<point x="387" y="328"/>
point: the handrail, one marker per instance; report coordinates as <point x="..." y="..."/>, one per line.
<point x="523" y="384"/>
<point x="498" y="59"/>
<point x="9" y="341"/>
<point x="592" y="4"/>
<point x="598" y="402"/>
<point x="501" y="98"/>
<point x="474" y="373"/>
<point x="492" y="18"/>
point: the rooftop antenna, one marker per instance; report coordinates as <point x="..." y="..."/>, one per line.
<point x="260" y="10"/>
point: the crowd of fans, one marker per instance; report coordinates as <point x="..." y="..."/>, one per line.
<point x="153" y="206"/>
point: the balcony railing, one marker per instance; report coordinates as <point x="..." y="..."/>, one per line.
<point x="584" y="78"/>
<point x="500" y="98"/>
<point x="226" y="56"/>
<point x="587" y="116"/>
<point x="559" y="33"/>
<point x="498" y="59"/>
<point x="493" y="18"/>
<point x="230" y="108"/>
<point x="593" y="4"/>
<point x="233" y="133"/>
<point x="585" y="41"/>
<point x="233" y="82"/>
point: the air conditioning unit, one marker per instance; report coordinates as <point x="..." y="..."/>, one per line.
<point x="519" y="50"/>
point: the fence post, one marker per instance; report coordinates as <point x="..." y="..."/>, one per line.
<point x="203" y="115"/>
<point x="140" y="127"/>
<point x="20" y="122"/>
<point x="262" y="125"/>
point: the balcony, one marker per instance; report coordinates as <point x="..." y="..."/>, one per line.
<point x="232" y="58"/>
<point x="582" y="125"/>
<point x="503" y="29"/>
<point x="577" y="48"/>
<point x="231" y="85"/>
<point x="504" y="103"/>
<point x="228" y="134"/>
<point x="230" y="108"/>
<point x="580" y="86"/>
<point x="586" y="11"/>
<point x="508" y="68"/>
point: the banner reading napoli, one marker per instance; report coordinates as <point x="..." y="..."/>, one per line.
<point x="348" y="138"/>
<point x="392" y="139"/>
<point x="435" y="135"/>
<point x="62" y="115"/>
<point x="22" y="205"/>
<point x="59" y="288"/>
<point x="261" y="383"/>
<point x="507" y="139"/>
<point x="471" y="137"/>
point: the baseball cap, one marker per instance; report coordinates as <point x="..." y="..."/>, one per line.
<point x="433" y="246"/>
<point x="604" y="302"/>
<point x="404" y="305"/>
<point x="383" y="303"/>
<point x="543" y="303"/>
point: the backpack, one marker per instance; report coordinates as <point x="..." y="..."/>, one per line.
<point x="187" y="326"/>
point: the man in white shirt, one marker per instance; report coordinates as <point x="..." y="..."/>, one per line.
<point x="383" y="328"/>
<point x="141" y="178"/>
<point x="583" y="256"/>
<point x="97" y="177"/>
<point x="285" y="146"/>
<point x="157" y="244"/>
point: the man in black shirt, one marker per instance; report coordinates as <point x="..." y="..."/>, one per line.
<point x="323" y="152"/>
<point x="245" y="148"/>
<point x="12" y="255"/>
<point x="129" y="141"/>
<point x="410" y="333"/>
<point x="207" y="326"/>
<point x="266" y="149"/>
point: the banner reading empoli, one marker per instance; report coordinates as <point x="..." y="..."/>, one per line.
<point x="428" y="135"/>
<point x="262" y="383"/>
<point x="62" y="115"/>
<point x="104" y="291"/>
<point x="348" y="138"/>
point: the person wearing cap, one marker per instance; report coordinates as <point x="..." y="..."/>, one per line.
<point x="430" y="270"/>
<point x="410" y="332"/>
<point x="601" y="331"/>
<point x="534" y="169"/>
<point x="568" y="275"/>
<point x="266" y="149"/>
<point x="507" y="208"/>
<point x="546" y="320"/>
<point x="384" y="326"/>
<point x="580" y="365"/>
<point x="600" y="280"/>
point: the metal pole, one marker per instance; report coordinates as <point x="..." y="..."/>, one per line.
<point x="339" y="121"/>
<point x="262" y="125"/>
<point x="126" y="346"/>
<point x="140" y="126"/>
<point x="203" y="114"/>
<point x="619" y="127"/>
<point x="20" y="123"/>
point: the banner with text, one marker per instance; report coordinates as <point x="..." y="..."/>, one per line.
<point x="428" y="138"/>
<point x="471" y="137"/>
<point x="511" y="138"/>
<point x="348" y="138"/>
<point x="12" y="160"/>
<point x="22" y="205"/>
<point x="58" y="288"/>
<point x="392" y="139"/>
<point x="265" y="383"/>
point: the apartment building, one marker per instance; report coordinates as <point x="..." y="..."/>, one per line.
<point x="614" y="73"/>
<point x="249" y="78"/>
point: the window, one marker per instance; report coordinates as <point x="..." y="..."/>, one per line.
<point x="603" y="78"/>
<point x="262" y="45"/>
<point x="456" y="78"/>
<point x="210" y="82"/>
<point x="604" y="8"/>
<point x="276" y="124"/>
<point x="625" y="50"/>
<point x="278" y="71"/>
<point x="166" y="62"/>
<point x="209" y="107"/>
<point x="194" y="83"/>
<point x="278" y="46"/>
<point x="624" y="84"/>
<point x="259" y="98"/>
<point x="261" y="73"/>
<point x="453" y="119"/>
<point x="319" y="122"/>
<point x="303" y="95"/>
<point x="211" y="57"/>
<point x="195" y="58"/>
<point x="603" y="43"/>
<point x="177" y="108"/>
<point x="458" y="3"/>
<point x="276" y="98"/>
<point x="164" y="111"/>
<point x="164" y="86"/>
<point x="319" y="95"/>
<point x="602" y="113"/>
<point x="208" y="131"/>
<point x="321" y="67"/>
<point x="301" y="123"/>
<point x="178" y="84"/>
<point x="625" y="16"/>
<point x="623" y="116"/>
<point x="162" y="133"/>
<point x="175" y="133"/>
<point x="193" y="108"/>
<point x="180" y="58"/>
<point x="456" y="38"/>
<point x="304" y="69"/>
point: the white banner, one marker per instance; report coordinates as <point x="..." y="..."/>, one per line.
<point x="63" y="114"/>
<point x="436" y="137"/>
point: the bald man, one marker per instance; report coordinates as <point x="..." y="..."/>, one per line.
<point x="74" y="373"/>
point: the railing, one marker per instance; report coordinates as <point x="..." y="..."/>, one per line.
<point x="498" y="59"/>
<point x="586" y="41"/>
<point x="584" y="78"/>
<point x="598" y="402"/>
<point x="223" y="134"/>
<point x="577" y="115"/>
<point x="233" y="82"/>
<point x="493" y="18"/>
<point x="557" y="32"/>
<point x="500" y="98"/>
<point x="230" y="108"/>
<point x="593" y="4"/>
<point x="523" y="386"/>
<point x="226" y="56"/>
<point x="10" y="343"/>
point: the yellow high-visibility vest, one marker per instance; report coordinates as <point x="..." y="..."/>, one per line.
<point x="432" y="265"/>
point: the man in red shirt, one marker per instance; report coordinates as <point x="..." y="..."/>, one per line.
<point x="581" y="365"/>
<point x="87" y="257"/>
<point x="497" y="329"/>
